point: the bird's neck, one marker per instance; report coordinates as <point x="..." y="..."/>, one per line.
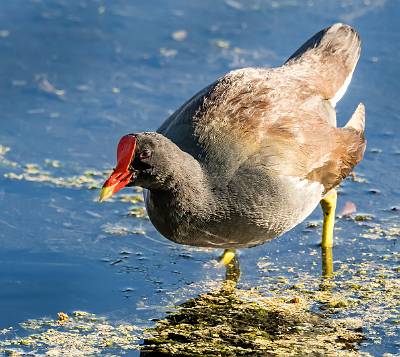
<point x="187" y="198"/>
<point x="188" y="187"/>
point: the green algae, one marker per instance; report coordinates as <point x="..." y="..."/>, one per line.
<point x="369" y="289"/>
<point x="136" y="200"/>
<point x="243" y="323"/>
<point x="220" y="43"/>
<point x="297" y="313"/>
<point x="379" y="231"/>
<point x="4" y="150"/>
<point x="52" y="163"/>
<point x="51" y="173"/>
<point x="3" y="160"/>
<point x="132" y="198"/>
<point x="78" y="334"/>
<point x="90" y="179"/>
<point x="313" y="224"/>
<point x="357" y="178"/>
<point x="120" y="230"/>
<point x="138" y="212"/>
<point x="363" y="217"/>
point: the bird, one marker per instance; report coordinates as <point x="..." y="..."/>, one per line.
<point x="251" y="155"/>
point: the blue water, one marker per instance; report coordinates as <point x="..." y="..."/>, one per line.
<point x="77" y="75"/>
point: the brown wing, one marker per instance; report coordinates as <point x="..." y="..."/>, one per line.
<point x="281" y="116"/>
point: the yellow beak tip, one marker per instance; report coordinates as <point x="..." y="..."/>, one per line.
<point x="105" y="193"/>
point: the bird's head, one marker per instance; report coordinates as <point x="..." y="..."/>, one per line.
<point x="142" y="160"/>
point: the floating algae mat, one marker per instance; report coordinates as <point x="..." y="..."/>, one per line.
<point x="51" y="172"/>
<point x="243" y="323"/>
<point x="90" y="179"/>
<point x="230" y="322"/>
<point x="302" y="315"/>
<point x="80" y="334"/>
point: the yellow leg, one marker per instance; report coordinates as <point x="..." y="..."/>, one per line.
<point x="227" y="257"/>
<point x="327" y="262"/>
<point x="328" y="204"/>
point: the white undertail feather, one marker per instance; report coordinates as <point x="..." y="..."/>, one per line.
<point x="357" y="120"/>
<point x="342" y="90"/>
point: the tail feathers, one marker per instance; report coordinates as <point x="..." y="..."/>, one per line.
<point x="327" y="60"/>
<point x="353" y="140"/>
<point x="349" y="150"/>
<point x="357" y="120"/>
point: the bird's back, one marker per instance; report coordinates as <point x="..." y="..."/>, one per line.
<point x="267" y="138"/>
<point x="281" y="112"/>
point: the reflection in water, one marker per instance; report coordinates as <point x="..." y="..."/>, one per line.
<point x="232" y="275"/>
<point x="236" y="322"/>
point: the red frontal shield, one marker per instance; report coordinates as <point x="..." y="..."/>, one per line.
<point x="125" y="152"/>
<point x="121" y="175"/>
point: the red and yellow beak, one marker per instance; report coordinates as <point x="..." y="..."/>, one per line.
<point x="121" y="175"/>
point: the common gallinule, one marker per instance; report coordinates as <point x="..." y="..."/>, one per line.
<point x="250" y="156"/>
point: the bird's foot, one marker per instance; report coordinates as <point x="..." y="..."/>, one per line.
<point x="226" y="257"/>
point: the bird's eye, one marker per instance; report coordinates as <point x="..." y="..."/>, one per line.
<point x="145" y="154"/>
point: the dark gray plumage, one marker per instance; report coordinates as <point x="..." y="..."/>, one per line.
<point x="250" y="156"/>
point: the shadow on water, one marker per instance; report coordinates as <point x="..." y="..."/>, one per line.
<point x="236" y="322"/>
